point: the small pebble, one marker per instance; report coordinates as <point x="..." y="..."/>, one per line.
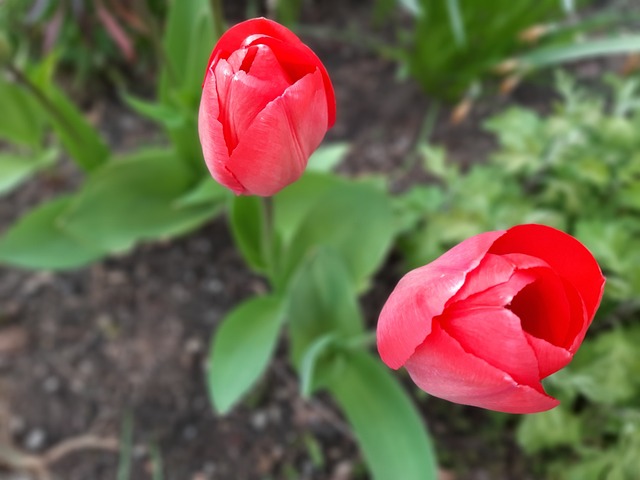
<point x="259" y="420"/>
<point x="35" y="439"/>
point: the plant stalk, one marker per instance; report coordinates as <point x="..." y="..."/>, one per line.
<point x="219" y="26"/>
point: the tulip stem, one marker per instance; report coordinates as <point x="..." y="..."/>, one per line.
<point x="267" y="238"/>
<point x="219" y="26"/>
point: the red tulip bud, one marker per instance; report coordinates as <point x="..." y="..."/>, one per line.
<point x="484" y="323"/>
<point x="267" y="102"/>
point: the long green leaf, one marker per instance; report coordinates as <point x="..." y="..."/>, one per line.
<point x="388" y="427"/>
<point x="547" y="56"/>
<point x="36" y="241"/>
<point x="188" y="41"/>
<point x="456" y="22"/>
<point x="15" y="169"/>
<point x="322" y="301"/>
<point x="241" y="349"/>
<point x="81" y="140"/>
<point x="327" y="157"/>
<point x="166" y="115"/>
<point x="355" y="219"/>
<point x="135" y="198"/>
<point x="22" y="120"/>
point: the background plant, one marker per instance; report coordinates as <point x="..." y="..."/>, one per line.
<point x="453" y="46"/>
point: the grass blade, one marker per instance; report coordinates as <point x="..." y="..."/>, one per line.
<point x="545" y="57"/>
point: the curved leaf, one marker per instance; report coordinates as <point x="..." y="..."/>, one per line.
<point x="241" y="349"/>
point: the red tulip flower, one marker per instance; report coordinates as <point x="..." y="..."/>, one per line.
<point x="484" y="323"/>
<point x="267" y="102"/>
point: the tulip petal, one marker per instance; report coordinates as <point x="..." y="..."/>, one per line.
<point x="492" y="270"/>
<point x="243" y="96"/>
<point x="234" y="38"/>
<point x="441" y="367"/>
<point x="499" y="295"/>
<point x="212" y="137"/>
<point x="543" y="308"/>
<point x="495" y="335"/>
<point x="564" y="254"/>
<point x="580" y="321"/>
<point x="551" y="358"/>
<point x="274" y="150"/>
<point x="295" y="54"/>
<point x="421" y="295"/>
<point x="298" y="60"/>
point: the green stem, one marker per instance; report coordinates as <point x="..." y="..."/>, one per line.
<point x="414" y="157"/>
<point x="42" y="98"/>
<point x="219" y="26"/>
<point x="268" y="243"/>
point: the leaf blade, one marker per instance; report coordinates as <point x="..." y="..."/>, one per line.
<point x="241" y="349"/>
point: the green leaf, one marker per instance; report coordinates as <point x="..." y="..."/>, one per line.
<point x="322" y="300"/>
<point x="79" y="138"/>
<point x="36" y="241"/>
<point x="22" y="119"/>
<point x="355" y="219"/>
<point x="546" y="56"/>
<point x="206" y="192"/>
<point x="241" y="349"/>
<point x="293" y="204"/>
<point x="310" y="361"/>
<point x="188" y="41"/>
<point x="456" y="22"/>
<point x="166" y="115"/>
<point x="15" y="169"/>
<point x="133" y="199"/>
<point x="389" y="429"/>
<point x="327" y="157"/>
<point x="247" y="225"/>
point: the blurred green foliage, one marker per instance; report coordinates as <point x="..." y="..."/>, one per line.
<point x="455" y="42"/>
<point x="578" y="169"/>
<point x="452" y="47"/>
<point x="147" y="194"/>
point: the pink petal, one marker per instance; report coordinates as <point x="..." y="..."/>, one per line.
<point x="421" y="295"/>
<point x="441" y="367"/>
<point x="273" y="151"/>
<point x="234" y="38"/>
<point x="295" y="54"/>
<point x="211" y="134"/>
<point x="499" y="295"/>
<point x="566" y="255"/>
<point x="543" y="308"/>
<point x="580" y="322"/>
<point x="551" y="358"/>
<point x="298" y="60"/>
<point x="243" y="96"/>
<point x="491" y="273"/>
<point x="494" y="334"/>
